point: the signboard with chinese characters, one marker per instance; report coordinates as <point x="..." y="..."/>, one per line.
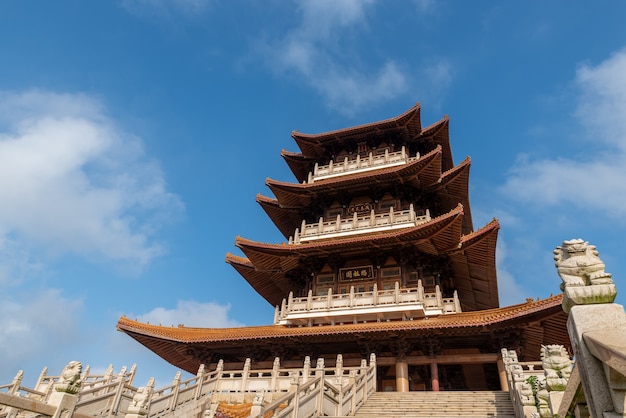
<point x="356" y="273"/>
<point x="361" y="208"/>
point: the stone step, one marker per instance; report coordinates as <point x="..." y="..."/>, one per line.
<point x="468" y="404"/>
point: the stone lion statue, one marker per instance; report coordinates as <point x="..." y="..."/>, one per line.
<point x="578" y="264"/>
<point x="526" y="396"/>
<point x="557" y="366"/>
<point x="70" y="380"/>
<point x="141" y="400"/>
<point x="582" y="272"/>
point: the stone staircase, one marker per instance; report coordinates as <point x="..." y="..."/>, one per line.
<point x="465" y="404"/>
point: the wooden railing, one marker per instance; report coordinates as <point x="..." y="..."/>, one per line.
<point x="356" y="224"/>
<point x="360" y="164"/>
<point x="375" y="305"/>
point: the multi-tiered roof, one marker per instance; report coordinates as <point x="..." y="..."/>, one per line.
<point x="380" y="255"/>
<point x="421" y="169"/>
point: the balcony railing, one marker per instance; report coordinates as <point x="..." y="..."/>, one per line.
<point x="356" y="224"/>
<point x="374" y="306"/>
<point x="358" y="164"/>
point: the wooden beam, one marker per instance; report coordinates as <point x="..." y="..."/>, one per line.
<point x="442" y="359"/>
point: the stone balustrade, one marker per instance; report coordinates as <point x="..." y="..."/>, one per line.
<point x="360" y="164"/>
<point x="355" y="225"/>
<point x="375" y="306"/>
<point x="338" y="389"/>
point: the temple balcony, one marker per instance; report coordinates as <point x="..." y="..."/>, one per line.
<point x="356" y="225"/>
<point x="375" y="306"/>
<point x="358" y="164"/>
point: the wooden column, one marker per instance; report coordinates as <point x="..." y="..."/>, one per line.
<point x="434" y="376"/>
<point x="504" y="386"/>
<point x="402" y="376"/>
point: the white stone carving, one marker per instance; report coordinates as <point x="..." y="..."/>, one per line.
<point x="557" y="366"/>
<point x="582" y="272"/>
<point x="141" y="400"/>
<point x="70" y="378"/>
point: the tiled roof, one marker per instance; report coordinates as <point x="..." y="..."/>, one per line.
<point x="483" y="318"/>
<point x="527" y="326"/>
<point x="423" y="172"/>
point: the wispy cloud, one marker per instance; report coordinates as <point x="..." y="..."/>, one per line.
<point x="191" y="314"/>
<point x="166" y="8"/>
<point x="591" y="176"/>
<point x="317" y="52"/>
<point x="76" y="183"/>
<point x="43" y="323"/>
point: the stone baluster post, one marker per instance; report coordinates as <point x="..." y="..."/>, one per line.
<point x="457" y="302"/>
<point x="13" y="390"/>
<point x="290" y="302"/>
<point x="108" y="375"/>
<point x="175" y="390"/>
<point x="245" y="374"/>
<point x="199" y="382"/>
<point x="319" y="367"/>
<point x="396" y="292"/>
<point x="420" y="290"/>
<point x="275" y="373"/>
<point x="439" y="297"/>
<point x="16" y="383"/>
<point x="41" y="379"/>
<point x="306" y="370"/>
<point x="375" y="294"/>
<point x="339" y="370"/>
<point x="351" y="296"/>
<point x="65" y="394"/>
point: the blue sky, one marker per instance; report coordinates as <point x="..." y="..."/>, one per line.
<point x="135" y="135"/>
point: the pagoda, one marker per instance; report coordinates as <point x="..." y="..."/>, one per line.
<point x="380" y="256"/>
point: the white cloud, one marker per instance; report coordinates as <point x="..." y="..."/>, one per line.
<point x="42" y="324"/>
<point x="315" y="51"/>
<point x="191" y="314"/>
<point x="592" y="177"/>
<point x="73" y="182"/>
